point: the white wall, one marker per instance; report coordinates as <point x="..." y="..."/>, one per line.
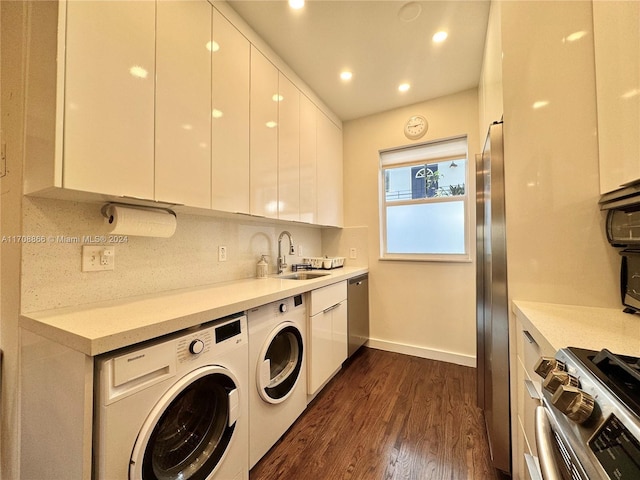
<point x="490" y="85"/>
<point x="556" y="246"/>
<point x="422" y="308"/>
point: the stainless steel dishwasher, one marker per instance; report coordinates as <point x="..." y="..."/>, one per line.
<point x="358" y="312"/>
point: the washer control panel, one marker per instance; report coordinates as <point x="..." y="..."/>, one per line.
<point x="191" y="346"/>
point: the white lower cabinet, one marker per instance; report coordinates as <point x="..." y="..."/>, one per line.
<point x="530" y="346"/>
<point x="327" y="334"/>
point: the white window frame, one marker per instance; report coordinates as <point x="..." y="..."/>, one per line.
<point x="442" y="150"/>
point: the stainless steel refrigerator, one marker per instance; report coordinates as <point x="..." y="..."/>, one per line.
<point x="492" y="312"/>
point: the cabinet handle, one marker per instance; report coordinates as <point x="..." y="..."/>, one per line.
<point x="531" y="388"/>
<point x="529" y="337"/>
<point x="333" y="307"/>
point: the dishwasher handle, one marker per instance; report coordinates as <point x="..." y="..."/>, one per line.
<point x="359" y="280"/>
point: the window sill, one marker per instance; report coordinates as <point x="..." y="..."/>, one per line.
<point x="462" y="258"/>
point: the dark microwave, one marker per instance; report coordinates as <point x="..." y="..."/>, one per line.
<point x="630" y="280"/>
<point x="623" y="230"/>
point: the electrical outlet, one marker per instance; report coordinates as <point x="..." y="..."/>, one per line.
<point x="96" y="258"/>
<point x="222" y="253"/>
<point x="353" y="253"/>
<point x="299" y="250"/>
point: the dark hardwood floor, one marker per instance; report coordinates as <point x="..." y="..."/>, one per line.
<point x="387" y="416"/>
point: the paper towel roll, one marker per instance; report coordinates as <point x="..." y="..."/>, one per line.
<point x="139" y="221"/>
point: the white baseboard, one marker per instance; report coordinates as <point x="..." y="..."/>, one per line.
<point x="457" y="358"/>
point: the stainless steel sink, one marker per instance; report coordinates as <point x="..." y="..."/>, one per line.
<point x="303" y="275"/>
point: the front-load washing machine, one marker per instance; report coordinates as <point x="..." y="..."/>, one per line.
<point x="277" y="372"/>
<point x="176" y="407"/>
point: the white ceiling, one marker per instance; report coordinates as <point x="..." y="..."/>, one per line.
<point x="375" y="41"/>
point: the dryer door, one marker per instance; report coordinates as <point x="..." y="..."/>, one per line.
<point x="188" y="432"/>
<point x="280" y="363"/>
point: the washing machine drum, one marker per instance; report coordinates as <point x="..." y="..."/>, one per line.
<point x="280" y="363"/>
<point x="187" y="434"/>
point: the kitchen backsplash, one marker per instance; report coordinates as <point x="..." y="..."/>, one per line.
<point x="51" y="265"/>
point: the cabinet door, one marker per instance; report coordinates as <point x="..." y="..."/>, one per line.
<point x="329" y="170"/>
<point x="264" y="136"/>
<point x="288" y="149"/>
<point x="308" y="154"/>
<point x="230" y="118"/>
<point x="339" y="335"/>
<point x="183" y="99"/>
<point x="616" y="31"/>
<point x="320" y="360"/>
<point x="109" y="98"/>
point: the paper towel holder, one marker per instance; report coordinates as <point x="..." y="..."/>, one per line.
<point x="105" y="209"/>
<point x="139" y="220"/>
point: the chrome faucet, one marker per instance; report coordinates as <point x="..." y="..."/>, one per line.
<point x="282" y="259"/>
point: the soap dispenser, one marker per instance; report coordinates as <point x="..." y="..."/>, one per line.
<point x="262" y="269"/>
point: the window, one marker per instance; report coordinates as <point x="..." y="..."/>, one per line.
<point x="424" y="201"/>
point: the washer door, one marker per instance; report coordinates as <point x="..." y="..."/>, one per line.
<point x="280" y="363"/>
<point x="188" y="432"/>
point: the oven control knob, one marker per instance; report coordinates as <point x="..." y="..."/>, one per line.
<point x="574" y="403"/>
<point x="556" y="378"/>
<point x="283" y="307"/>
<point x="196" y="346"/>
<point x="548" y="364"/>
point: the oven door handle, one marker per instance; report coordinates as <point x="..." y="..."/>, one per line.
<point x="544" y="442"/>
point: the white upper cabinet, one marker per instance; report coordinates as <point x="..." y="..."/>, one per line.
<point x="264" y="136"/>
<point x="230" y="115"/>
<point x="183" y="103"/>
<point x="288" y="150"/>
<point x="329" y="172"/>
<point x="109" y="98"/>
<point x="308" y="154"/>
<point x="169" y="101"/>
<point x="617" y="50"/>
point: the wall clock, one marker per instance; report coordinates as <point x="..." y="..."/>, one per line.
<point x="416" y="127"/>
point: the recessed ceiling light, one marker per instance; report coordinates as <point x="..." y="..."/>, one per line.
<point x="540" y="104"/>
<point x="215" y="113"/>
<point x="277" y="97"/>
<point x="271" y="124"/>
<point x="440" y="37"/>
<point x="404" y="87"/>
<point x="213" y="46"/>
<point x="296" y="4"/>
<point x="346" y="75"/>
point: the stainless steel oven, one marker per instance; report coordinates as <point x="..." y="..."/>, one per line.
<point x="588" y="426"/>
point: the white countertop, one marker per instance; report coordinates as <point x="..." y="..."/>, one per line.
<point x="592" y="328"/>
<point x="102" y="327"/>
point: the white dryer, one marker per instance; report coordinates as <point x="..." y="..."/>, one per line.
<point x="277" y="372"/>
<point x="176" y="407"/>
